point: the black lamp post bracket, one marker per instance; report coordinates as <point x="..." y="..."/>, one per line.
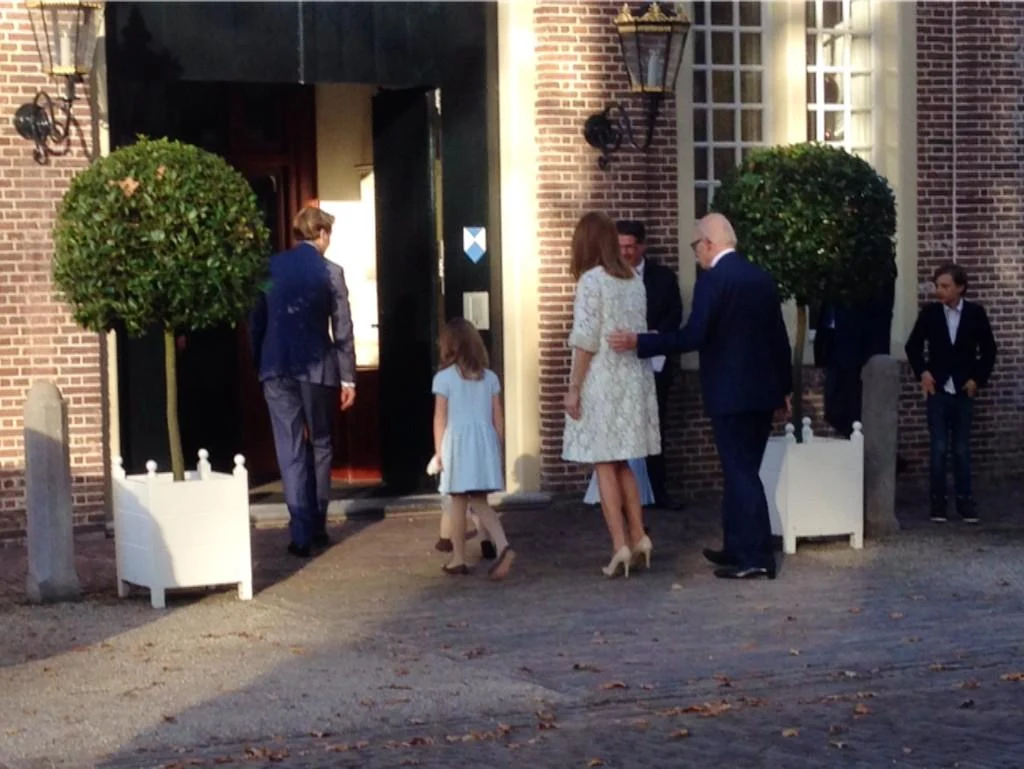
<point x="606" y="130"/>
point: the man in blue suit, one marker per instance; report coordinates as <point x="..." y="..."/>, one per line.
<point x="301" y="367"/>
<point x="745" y="376"/>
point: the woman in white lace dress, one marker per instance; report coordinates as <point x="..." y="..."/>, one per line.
<point x="611" y="408"/>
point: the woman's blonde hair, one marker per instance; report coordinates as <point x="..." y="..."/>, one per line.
<point x="461" y="345"/>
<point x="308" y="223"/>
<point x="596" y="242"/>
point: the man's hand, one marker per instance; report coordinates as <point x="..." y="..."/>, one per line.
<point x="971" y="388"/>
<point x="348" y="397"/>
<point x="622" y="341"/>
<point x="928" y="383"/>
<point x="786" y="411"/>
<point x="572" y="403"/>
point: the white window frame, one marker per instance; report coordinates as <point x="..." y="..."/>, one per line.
<point x="894" y="140"/>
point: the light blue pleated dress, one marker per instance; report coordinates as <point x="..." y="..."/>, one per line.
<point x="470" y="450"/>
<point x="643" y="484"/>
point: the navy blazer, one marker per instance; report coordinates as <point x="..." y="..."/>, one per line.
<point x="737" y="327"/>
<point x="664" y="302"/>
<point x="289" y="325"/>
<point x="971" y="357"/>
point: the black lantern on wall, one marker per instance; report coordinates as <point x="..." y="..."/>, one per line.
<point x="66" y="32"/>
<point x="652" y="50"/>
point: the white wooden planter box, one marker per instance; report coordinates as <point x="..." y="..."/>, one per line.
<point x="192" y="533"/>
<point x="815" y="488"/>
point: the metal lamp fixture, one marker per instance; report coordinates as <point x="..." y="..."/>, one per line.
<point x="66" y="32"/>
<point x="652" y="50"/>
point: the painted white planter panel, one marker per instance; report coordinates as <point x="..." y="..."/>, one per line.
<point x="815" y="488"/>
<point x="178" y="535"/>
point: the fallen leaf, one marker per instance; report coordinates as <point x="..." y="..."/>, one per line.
<point x="1004" y="583"/>
<point x="967" y="704"/>
<point x="908" y="751"/>
<point x="850" y="673"/>
<point x="723" y="681"/>
<point x="224" y="760"/>
<point x="472" y="654"/>
<point x="937" y="666"/>
<point x="679" y="734"/>
<point x="790" y="619"/>
<point x="914" y="639"/>
<point x="414" y="742"/>
<point x="319" y="735"/>
<point x="504" y="729"/>
<point x="836" y="729"/>
<point x="795" y="652"/>
<point x="970" y="684"/>
<point x="677" y="586"/>
<point x="401" y="671"/>
<point x="586" y="667"/>
<point x="545" y="715"/>
<point x="896" y="615"/>
<point x="614" y="685"/>
<point x="171" y="719"/>
<point x="457" y="624"/>
<point x="791" y="732"/>
<point x="641" y="723"/>
<point x="861" y="709"/>
<point x="1012" y="677"/>
<point x="595" y="762"/>
<point x="838" y="744"/>
<point x="361" y="745"/>
<point x="856" y="610"/>
<point x="647" y="687"/>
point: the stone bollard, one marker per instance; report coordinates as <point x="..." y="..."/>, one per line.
<point x="880" y="411"/>
<point x="51" y="545"/>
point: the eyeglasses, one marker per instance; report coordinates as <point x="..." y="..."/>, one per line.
<point x="695" y="243"/>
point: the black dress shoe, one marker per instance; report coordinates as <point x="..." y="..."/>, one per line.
<point x="744" y="572"/>
<point x="301" y="551"/>
<point x="322" y="540"/>
<point x="719" y="557"/>
<point x="488" y="550"/>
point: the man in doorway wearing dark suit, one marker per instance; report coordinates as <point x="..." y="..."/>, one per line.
<point x="664" y="315"/>
<point x="960" y="356"/>
<point x="745" y="375"/>
<point x="302" y="367"/>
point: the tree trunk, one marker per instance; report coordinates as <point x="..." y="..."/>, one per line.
<point x="798" y="371"/>
<point x="171" y="387"/>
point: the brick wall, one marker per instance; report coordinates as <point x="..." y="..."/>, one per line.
<point x="579" y="70"/>
<point x="38" y="340"/>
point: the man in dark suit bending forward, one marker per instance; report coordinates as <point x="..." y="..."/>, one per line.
<point x="745" y="376"/>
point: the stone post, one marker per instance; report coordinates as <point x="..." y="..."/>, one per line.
<point x="51" y="545"/>
<point x="880" y="407"/>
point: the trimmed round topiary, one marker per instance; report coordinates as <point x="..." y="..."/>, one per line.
<point x="821" y="220"/>
<point x="160" y="233"/>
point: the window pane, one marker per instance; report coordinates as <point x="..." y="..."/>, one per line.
<point x="812" y="50"/>
<point x="700" y="201"/>
<point x="724" y="126"/>
<point x="860" y="15"/>
<point x="700" y="125"/>
<point x="812" y="88"/>
<point x="834" y="128"/>
<point x="724" y="160"/>
<point x="810" y="17"/>
<point x="860" y="90"/>
<point x="721" y="13"/>
<point x="859" y="133"/>
<point x="745" y="153"/>
<point x="860" y="53"/>
<point x="722" y="90"/>
<point x="750" y="87"/>
<point x="750" y="14"/>
<point x="698" y="13"/>
<point x="750" y="48"/>
<point x="700" y="86"/>
<point x="831" y="13"/>
<point x="832" y="87"/>
<point x="700" y="51"/>
<point x="812" y="126"/>
<point x="750" y="125"/>
<point x="722" y="48"/>
<point x="700" y="163"/>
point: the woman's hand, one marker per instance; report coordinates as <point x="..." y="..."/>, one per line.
<point x="572" y="402"/>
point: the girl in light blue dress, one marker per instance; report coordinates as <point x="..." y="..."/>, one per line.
<point x="468" y="428"/>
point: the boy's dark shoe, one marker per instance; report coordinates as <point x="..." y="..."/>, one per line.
<point x="487" y="549"/>
<point x="299" y="551"/>
<point x="938" y="510"/>
<point x="966" y="509"/>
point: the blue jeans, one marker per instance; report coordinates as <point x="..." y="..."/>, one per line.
<point x="950" y="415"/>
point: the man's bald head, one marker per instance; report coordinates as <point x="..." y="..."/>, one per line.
<point x="713" y="235"/>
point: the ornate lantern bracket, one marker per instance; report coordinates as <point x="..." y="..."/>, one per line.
<point x="652" y="47"/>
<point x="66" y="33"/>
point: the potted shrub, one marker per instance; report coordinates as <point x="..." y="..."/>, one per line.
<point x="822" y="221"/>
<point x="164" y="234"/>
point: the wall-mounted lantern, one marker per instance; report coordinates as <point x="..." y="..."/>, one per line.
<point x="66" y="32"/>
<point x="652" y="49"/>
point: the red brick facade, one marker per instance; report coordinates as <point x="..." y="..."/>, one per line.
<point x="38" y="339"/>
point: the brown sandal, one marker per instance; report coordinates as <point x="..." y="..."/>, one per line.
<point x="500" y="568"/>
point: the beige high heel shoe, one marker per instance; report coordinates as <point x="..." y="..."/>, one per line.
<point x="622" y="556"/>
<point x="643" y="549"/>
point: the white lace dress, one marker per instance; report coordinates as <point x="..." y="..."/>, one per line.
<point x="619" y="419"/>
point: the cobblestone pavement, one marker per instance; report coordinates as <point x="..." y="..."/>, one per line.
<point x="909" y="653"/>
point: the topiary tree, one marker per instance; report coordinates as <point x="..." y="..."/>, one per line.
<point x="821" y="220"/>
<point x="160" y="233"/>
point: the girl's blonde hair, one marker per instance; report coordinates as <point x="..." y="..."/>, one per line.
<point x="596" y="242"/>
<point x="461" y="345"/>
